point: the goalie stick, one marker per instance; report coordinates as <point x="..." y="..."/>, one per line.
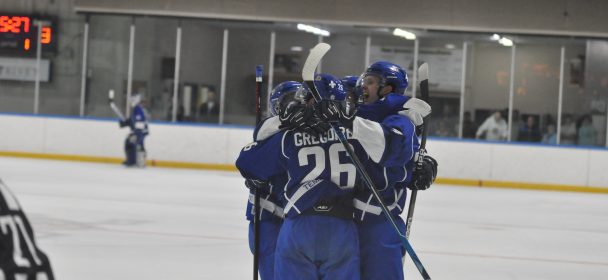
<point x="256" y="200"/>
<point x="423" y="73"/>
<point x="308" y="75"/>
<point x="113" y="106"/>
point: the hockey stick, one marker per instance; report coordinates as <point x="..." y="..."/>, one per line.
<point x="256" y="200"/>
<point x="423" y="73"/>
<point x="113" y="106"/>
<point x="308" y="75"/>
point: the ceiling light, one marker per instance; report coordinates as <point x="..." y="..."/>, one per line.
<point x="505" y="42"/>
<point x="404" y="33"/>
<point x="450" y="46"/>
<point x="495" y="37"/>
<point x="313" y="30"/>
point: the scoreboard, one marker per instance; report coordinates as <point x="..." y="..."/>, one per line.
<point x="18" y="34"/>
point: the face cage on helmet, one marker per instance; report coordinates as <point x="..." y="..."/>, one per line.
<point x="287" y="100"/>
<point x="358" y="90"/>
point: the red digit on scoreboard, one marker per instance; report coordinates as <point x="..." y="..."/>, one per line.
<point x="45" y="35"/>
<point x="26" y="24"/>
<point x="3" y="24"/>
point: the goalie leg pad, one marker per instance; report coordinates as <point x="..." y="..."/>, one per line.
<point x="130" y="152"/>
<point x="140" y="157"/>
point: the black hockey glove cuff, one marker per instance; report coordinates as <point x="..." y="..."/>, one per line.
<point x="254" y="185"/>
<point x="347" y="115"/>
<point x="425" y="172"/>
<point x="295" y="116"/>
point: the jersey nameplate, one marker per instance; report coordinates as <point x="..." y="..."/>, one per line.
<point x="305" y="139"/>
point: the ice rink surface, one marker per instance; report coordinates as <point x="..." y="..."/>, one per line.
<point x="101" y="221"/>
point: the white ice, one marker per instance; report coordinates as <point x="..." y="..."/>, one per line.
<point x="100" y="221"/>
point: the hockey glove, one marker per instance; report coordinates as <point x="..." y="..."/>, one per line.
<point x="425" y="172"/>
<point x="295" y="116"/>
<point x="254" y="184"/>
<point x="331" y="111"/>
<point x="315" y="126"/>
<point x="123" y="123"/>
<point x="416" y="109"/>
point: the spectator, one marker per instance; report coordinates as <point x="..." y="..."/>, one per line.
<point x="550" y="137"/>
<point x="210" y="110"/>
<point x="494" y="128"/>
<point x="447" y="125"/>
<point x="529" y="132"/>
<point x="568" y="133"/>
<point x="468" y="126"/>
<point x="587" y="133"/>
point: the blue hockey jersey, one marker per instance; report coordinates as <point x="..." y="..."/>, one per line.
<point x="307" y="161"/>
<point x="391" y="180"/>
<point x="271" y="206"/>
<point x="319" y="168"/>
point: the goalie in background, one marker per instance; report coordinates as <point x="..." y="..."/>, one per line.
<point x="20" y="257"/>
<point x="138" y="123"/>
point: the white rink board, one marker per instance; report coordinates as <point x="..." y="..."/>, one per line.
<point x="221" y="145"/>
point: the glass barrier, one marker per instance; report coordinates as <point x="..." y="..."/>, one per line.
<point x="347" y="54"/>
<point x="154" y="65"/>
<point x="479" y="108"/>
<point x="108" y="57"/>
<point x="444" y="55"/>
<point x="61" y="96"/>
<point x="486" y="97"/>
<point x="536" y="91"/>
<point x="247" y="47"/>
<point x="589" y="100"/>
<point x="200" y="71"/>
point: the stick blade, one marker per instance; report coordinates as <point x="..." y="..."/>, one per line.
<point x="315" y="56"/>
<point x="423" y="72"/>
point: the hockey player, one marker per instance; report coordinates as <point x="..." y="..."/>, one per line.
<point x="282" y="96"/>
<point x="134" y="144"/>
<point x="20" y="257"/>
<point x="382" y="86"/>
<point x="377" y="108"/>
<point x="318" y="239"/>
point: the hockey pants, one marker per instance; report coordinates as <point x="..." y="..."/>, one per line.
<point x="312" y="247"/>
<point x="381" y="250"/>
<point x="269" y="231"/>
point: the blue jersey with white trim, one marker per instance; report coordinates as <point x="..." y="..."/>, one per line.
<point x="389" y="177"/>
<point x="317" y="168"/>
<point x="138" y="121"/>
<point x="272" y="208"/>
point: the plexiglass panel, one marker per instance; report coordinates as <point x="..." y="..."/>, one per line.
<point x="108" y="58"/>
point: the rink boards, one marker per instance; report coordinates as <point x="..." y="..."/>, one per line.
<point x="473" y="163"/>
